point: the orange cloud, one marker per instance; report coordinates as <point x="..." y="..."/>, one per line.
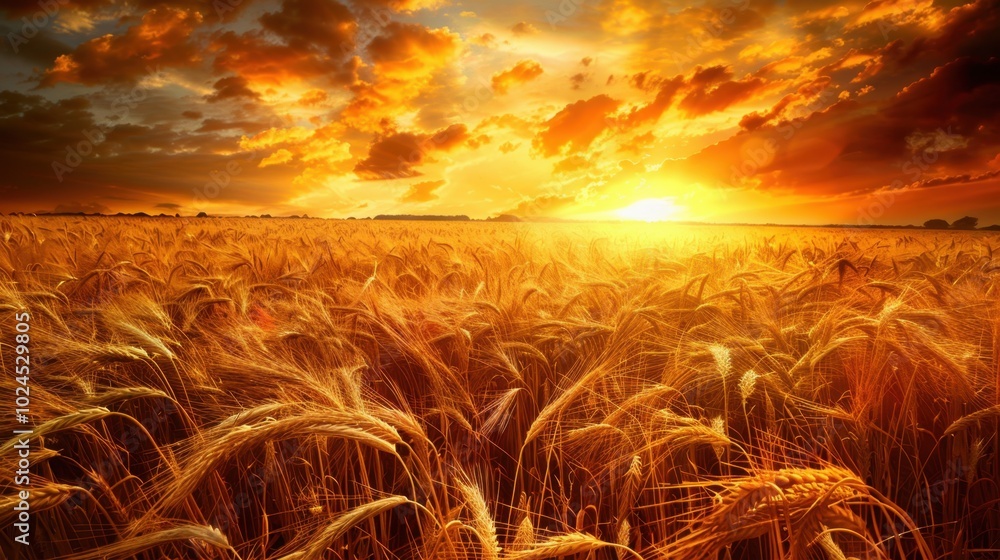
<point x="574" y="128"/>
<point x="522" y="72"/>
<point x="571" y="164"/>
<point x="256" y="57"/>
<point x="231" y="87"/>
<point x="361" y="88"/>
<point x="158" y="41"/>
<point x="314" y="154"/>
<point x="277" y="158"/>
<point x="704" y="99"/>
<point x="422" y="192"/>
<point x="524" y="28"/>
<point x="408" y="59"/>
<point x="803" y="95"/>
<point x="480" y="140"/>
<point x="409" y="51"/>
<point x="313" y="97"/>
<point x="304" y="39"/>
<point x="894" y="13"/>
<point x="655" y="109"/>
<point x="484" y="40"/>
<point x="403" y="5"/>
<point x="508" y="147"/>
<point x="397" y="155"/>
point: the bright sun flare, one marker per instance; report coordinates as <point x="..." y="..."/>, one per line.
<point x="650" y="210"/>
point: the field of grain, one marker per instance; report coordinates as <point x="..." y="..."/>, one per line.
<point x="306" y="389"/>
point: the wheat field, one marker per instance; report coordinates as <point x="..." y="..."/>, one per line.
<point x="307" y="389"/>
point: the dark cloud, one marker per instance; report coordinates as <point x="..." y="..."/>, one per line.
<point x="17" y="8"/>
<point x="159" y="41"/>
<point x="652" y="112"/>
<point x="940" y="126"/>
<point x="704" y="99"/>
<point x="963" y="92"/>
<point x="39" y="51"/>
<point x="804" y="94"/>
<point x="704" y="77"/>
<point x="326" y="26"/>
<point x="58" y="150"/>
<point x="955" y="179"/>
<point x="216" y="125"/>
<point x="397" y="155"/>
<point x="256" y="56"/>
<point x="403" y="48"/>
<point x="304" y="39"/>
<point x="232" y="87"/>
<point x="835" y="99"/>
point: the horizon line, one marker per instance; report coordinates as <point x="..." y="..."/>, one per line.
<point x="501" y="218"/>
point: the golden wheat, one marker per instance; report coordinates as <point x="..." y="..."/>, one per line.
<point x="234" y="388"/>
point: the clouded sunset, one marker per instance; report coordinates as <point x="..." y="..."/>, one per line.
<point x="738" y="110"/>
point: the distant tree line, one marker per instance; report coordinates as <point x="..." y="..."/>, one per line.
<point x="422" y="217"/>
<point x="967" y="223"/>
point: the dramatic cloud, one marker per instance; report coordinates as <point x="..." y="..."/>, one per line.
<point x="161" y="40"/>
<point x="304" y="39"/>
<point x="397" y="155"/>
<point x="651" y="112"/>
<point x="232" y="87"/>
<point x="411" y="51"/>
<point x="574" y="128"/>
<point x="408" y="60"/>
<point x="706" y="98"/>
<point x="738" y="110"/>
<point x="935" y="131"/>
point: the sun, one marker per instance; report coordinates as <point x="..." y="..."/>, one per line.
<point x="650" y="210"/>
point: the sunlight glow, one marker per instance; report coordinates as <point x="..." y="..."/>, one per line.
<point x="650" y="210"/>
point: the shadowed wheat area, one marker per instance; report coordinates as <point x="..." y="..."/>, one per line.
<point x="301" y="389"/>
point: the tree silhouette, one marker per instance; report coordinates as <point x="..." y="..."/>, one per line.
<point x="967" y="222"/>
<point x="936" y="224"/>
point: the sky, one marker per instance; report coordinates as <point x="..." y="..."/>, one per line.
<point x="760" y="111"/>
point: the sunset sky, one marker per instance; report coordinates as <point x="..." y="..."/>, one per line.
<point x="784" y="111"/>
